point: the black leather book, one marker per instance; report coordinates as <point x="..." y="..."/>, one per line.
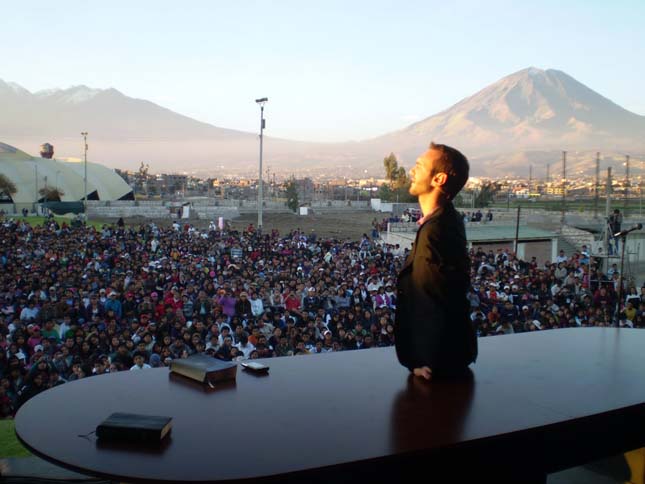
<point x="133" y="427"/>
<point x="204" y="368"/>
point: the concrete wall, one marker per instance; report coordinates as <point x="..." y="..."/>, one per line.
<point x="635" y="249"/>
<point x="577" y="237"/>
<point x="402" y="226"/>
<point x="361" y="204"/>
<point x="404" y="239"/>
<point x="209" y="209"/>
<point x="391" y="207"/>
<point x="155" y="209"/>
<point x="542" y="250"/>
<point x="213" y="213"/>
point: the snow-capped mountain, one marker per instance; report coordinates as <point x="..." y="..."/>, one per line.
<point x="73" y="95"/>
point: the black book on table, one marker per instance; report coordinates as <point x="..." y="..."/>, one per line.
<point x="204" y="369"/>
<point x="134" y="427"/>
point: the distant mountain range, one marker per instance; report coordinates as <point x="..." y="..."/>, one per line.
<point x="525" y="118"/>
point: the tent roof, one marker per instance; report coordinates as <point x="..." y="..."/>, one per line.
<point x="30" y="174"/>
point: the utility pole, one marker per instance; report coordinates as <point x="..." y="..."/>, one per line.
<point x="606" y="232"/>
<point x="564" y="184"/>
<point x="640" y="192"/>
<point x="626" y="190"/>
<point x="597" y="187"/>
<point x="530" y="178"/>
<point x="516" y="243"/>
<point x="548" y="165"/>
<point x="261" y="102"/>
<point x="84" y="134"/>
<point x="269" y="179"/>
<point x="35" y="184"/>
<point x="608" y="191"/>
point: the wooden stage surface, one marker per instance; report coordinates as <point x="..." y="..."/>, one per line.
<point x="535" y="403"/>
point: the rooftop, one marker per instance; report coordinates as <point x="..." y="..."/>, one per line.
<point x="491" y="232"/>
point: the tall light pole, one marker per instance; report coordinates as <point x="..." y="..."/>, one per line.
<point x="262" y="101"/>
<point x="564" y="186"/>
<point x="84" y="135"/>
<point x="627" y="183"/>
<point x="595" y="202"/>
<point x="35" y="184"/>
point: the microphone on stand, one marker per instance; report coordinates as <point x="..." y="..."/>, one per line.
<point x="622" y="233"/>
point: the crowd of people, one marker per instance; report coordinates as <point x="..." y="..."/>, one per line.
<point x="76" y="302"/>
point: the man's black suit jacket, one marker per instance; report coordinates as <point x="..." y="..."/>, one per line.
<point x="433" y="326"/>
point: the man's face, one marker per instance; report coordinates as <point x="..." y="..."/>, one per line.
<point x="420" y="175"/>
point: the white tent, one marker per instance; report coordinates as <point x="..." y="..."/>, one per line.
<point x="109" y="185"/>
<point x="31" y="174"/>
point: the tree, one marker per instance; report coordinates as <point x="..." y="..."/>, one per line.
<point x="7" y="187"/>
<point x="386" y="193"/>
<point x="390" y="163"/>
<point x="143" y="171"/>
<point x="400" y="179"/>
<point x="292" y="195"/>
<point x="141" y="177"/>
<point x="485" y="194"/>
<point x="397" y="190"/>
<point x="458" y="201"/>
<point x="51" y="194"/>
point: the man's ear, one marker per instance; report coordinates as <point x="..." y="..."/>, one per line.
<point x="440" y="179"/>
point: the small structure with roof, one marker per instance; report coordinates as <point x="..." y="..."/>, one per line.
<point x="532" y="241"/>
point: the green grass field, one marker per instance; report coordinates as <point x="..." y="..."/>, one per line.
<point x="9" y="444"/>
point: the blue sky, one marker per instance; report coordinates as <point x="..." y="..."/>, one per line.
<point x="333" y="70"/>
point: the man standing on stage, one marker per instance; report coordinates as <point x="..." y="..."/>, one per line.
<point x="434" y="335"/>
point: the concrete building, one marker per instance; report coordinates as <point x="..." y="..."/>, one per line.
<point x="532" y="242"/>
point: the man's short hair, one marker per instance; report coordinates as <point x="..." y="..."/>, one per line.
<point x="453" y="163"/>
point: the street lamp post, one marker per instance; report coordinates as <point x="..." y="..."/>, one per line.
<point x="261" y="102"/>
<point x="35" y="185"/>
<point x="84" y="135"/>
